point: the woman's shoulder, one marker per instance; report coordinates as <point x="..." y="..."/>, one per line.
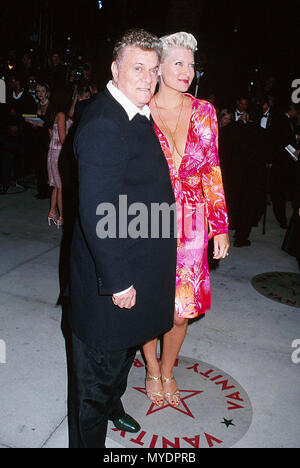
<point x="201" y="104"/>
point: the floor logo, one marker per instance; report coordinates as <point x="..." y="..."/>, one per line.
<point x="215" y="411"/>
<point x="280" y="287"/>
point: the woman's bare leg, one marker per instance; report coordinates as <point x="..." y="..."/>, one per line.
<point x="172" y="343"/>
<point x="53" y="201"/>
<point x="59" y="202"/>
<point x="153" y="368"/>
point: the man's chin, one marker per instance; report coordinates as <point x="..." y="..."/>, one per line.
<point x="145" y="96"/>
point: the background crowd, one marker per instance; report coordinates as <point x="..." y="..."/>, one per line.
<point x="44" y="105"/>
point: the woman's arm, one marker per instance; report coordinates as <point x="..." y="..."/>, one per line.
<point x="72" y="108"/>
<point x="61" y="123"/>
<point x="213" y="185"/>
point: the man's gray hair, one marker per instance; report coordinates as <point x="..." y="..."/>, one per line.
<point x="179" y="39"/>
<point x="137" y="38"/>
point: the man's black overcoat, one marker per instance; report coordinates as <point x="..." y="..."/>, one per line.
<point x="116" y="157"/>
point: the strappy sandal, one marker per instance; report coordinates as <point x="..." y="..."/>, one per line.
<point x="52" y="216"/>
<point x="59" y="222"/>
<point x="170" y="396"/>
<point x="150" y="394"/>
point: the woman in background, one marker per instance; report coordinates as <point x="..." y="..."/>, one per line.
<point x="40" y="139"/>
<point x="61" y="124"/>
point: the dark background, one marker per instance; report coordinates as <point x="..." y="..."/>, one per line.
<point x="238" y="37"/>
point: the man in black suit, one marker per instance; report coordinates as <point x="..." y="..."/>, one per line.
<point x="122" y="285"/>
<point x="240" y="113"/>
<point x="298" y="205"/>
<point x="239" y="151"/>
<point x="264" y="119"/>
<point x="283" y="173"/>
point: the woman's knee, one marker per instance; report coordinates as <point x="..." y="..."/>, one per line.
<point x="180" y="321"/>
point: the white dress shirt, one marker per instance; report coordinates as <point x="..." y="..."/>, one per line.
<point x="264" y="119"/>
<point x="131" y="110"/>
<point x="19" y="95"/>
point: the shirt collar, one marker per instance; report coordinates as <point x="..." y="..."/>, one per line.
<point x="130" y="108"/>
<point x="19" y="95"/>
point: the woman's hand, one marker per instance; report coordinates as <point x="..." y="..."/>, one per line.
<point x="221" y="246"/>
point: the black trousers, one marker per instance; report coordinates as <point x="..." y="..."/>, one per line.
<point x="283" y="189"/>
<point x="99" y="379"/>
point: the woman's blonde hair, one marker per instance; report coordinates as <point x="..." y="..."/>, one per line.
<point x="179" y="39"/>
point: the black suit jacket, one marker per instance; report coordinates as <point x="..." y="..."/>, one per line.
<point x="119" y="157"/>
<point x="284" y="135"/>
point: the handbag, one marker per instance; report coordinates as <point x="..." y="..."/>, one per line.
<point x="291" y="243"/>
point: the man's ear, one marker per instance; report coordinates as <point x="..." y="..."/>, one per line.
<point x="115" y="72"/>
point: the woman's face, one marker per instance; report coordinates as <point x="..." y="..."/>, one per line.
<point x="41" y="93"/>
<point x="178" y="69"/>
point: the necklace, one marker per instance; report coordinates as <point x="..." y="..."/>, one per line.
<point x="173" y="134"/>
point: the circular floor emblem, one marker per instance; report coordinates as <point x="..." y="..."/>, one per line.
<point x="280" y="287"/>
<point x="215" y="411"/>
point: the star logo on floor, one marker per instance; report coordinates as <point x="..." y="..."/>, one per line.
<point x="227" y="423"/>
<point x="154" y="408"/>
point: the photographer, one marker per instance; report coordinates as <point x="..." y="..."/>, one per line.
<point x="81" y="93"/>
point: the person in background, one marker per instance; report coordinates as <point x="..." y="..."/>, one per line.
<point x="41" y="140"/>
<point x="298" y="209"/>
<point x="31" y="85"/>
<point x="82" y="93"/>
<point x="225" y="155"/>
<point x="61" y="124"/>
<point x="26" y="67"/>
<point x="240" y="153"/>
<point x="241" y="111"/>
<point x="83" y="103"/>
<point x="12" y="153"/>
<point x="19" y="100"/>
<point x="283" y="173"/>
<point x="19" y="103"/>
<point x="56" y="75"/>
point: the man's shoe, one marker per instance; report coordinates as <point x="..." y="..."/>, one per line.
<point x="126" y="423"/>
<point x="20" y="184"/>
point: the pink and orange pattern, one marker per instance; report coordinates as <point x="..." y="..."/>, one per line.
<point x="201" y="207"/>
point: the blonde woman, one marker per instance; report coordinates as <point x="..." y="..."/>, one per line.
<point x="187" y="129"/>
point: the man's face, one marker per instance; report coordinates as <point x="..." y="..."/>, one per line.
<point x="14" y="84"/>
<point x="31" y="82"/>
<point x="242" y="105"/>
<point x="265" y="107"/>
<point x="293" y="113"/>
<point x="55" y="59"/>
<point x="136" y="75"/>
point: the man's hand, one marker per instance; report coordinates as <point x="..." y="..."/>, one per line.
<point x="126" y="300"/>
<point x="221" y="246"/>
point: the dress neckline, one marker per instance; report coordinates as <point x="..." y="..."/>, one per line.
<point x="169" y="157"/>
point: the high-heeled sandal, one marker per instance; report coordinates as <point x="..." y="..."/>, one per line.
<point x="170" y="396"/>
<point x="59" y="222"/>
<point x="52" y="217"/>
<point x="151" y="378"/>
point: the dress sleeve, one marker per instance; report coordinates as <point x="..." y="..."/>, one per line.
<point x="212" y="183"/>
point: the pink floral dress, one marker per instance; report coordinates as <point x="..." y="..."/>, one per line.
<point x="200" y="205"/>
